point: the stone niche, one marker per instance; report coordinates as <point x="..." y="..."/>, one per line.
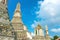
<point x="6" y="38"/>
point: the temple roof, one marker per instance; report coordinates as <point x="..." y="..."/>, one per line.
<point x="38" y="27"/>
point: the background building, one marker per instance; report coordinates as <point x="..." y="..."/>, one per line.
<point x="39" y="33"/>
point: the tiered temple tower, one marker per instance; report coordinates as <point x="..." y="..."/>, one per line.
<point x="19" y="27"/>
<point x="5" y="26"/>
<point x="39" y="34"/>
<point x="4" y="10"/>
<point x="47" y="34"/>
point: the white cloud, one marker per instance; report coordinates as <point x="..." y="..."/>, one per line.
<point x="39" y="2"/>
<point x="49" y="11"/>
<point x="48" y="6"/>
<point x="56" y="30"/>
<point x="34" y="24"/>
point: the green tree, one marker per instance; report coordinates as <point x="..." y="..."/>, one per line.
<point x="55" y="37"/>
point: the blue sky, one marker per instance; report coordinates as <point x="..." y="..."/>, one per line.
<point x="46" y="12"/>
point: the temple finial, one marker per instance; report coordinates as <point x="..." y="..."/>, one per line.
<point x="46" y="29"/>
<point x="18" y="7"/>
<point x="17" y="10"/>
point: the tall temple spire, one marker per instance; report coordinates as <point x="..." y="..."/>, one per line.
<point x="17" y="14"/>
<point x="17" y="11"/>
<point x="17" y="20"/>
<point x="18" y="6"/>
<point x="46" y="29"/>
<point x="19" y="28"/>
<point x="47" y="34"/>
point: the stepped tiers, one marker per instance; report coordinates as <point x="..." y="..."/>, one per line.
<point x="6" y="32"/>
<point x="15" y="29"/>
<point x="20" y="32"/>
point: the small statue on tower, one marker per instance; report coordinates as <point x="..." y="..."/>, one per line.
<point x="4" y="1"/>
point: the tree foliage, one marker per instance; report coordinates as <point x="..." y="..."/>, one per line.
<point x="55" y="37"/>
